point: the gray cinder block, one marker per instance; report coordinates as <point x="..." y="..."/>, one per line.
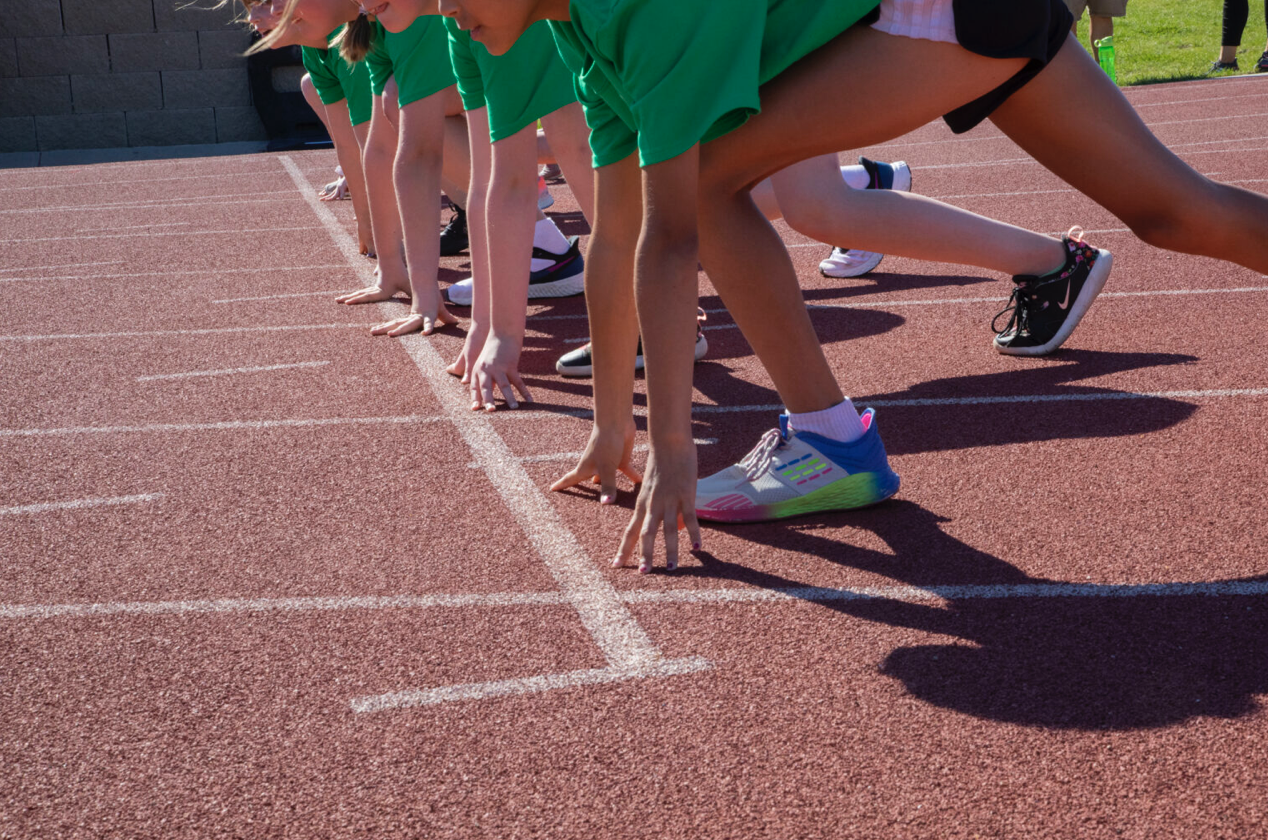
<point x="171" y="127"/>
<point x="154" y="51"/>
<point x="63" y="56"/>
<point x="116" y="92"/>
<point x="99" y="17"/>
<point x="17" y="134"/>
<point x="184" y="15"/>
<point x="34" y="97"/>
<point x="234" y="125"/>
<point x="81" y="131"/>
<point x="8" y="58"/>
<point x="30" y="18"/>
<point x="205" y="88"/>
<point x="223" y="49"/>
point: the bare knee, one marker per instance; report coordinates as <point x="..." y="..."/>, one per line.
<point x="815" y="216"/>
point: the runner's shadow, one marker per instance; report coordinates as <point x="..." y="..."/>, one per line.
<point x="884" y="282"/>
<point x="1097" y="657"/>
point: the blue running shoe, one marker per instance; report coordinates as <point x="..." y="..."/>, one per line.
<point x="797" y="473"/>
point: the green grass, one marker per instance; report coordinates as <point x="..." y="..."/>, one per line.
<point x="1173" y="40"/>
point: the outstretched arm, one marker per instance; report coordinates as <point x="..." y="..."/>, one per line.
<point x="613" y="328"/>
<point x="666" y="293"/>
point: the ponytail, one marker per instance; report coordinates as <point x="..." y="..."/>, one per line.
<point x="355" y="40"/>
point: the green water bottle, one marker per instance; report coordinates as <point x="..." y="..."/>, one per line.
<point x="1105" y="55"/>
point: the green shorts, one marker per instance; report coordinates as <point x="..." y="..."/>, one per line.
<point x="336" y="80"/>
<point x="417" y="57"/>
<point x="664" y="75"/>
<point x="518" y="88"/>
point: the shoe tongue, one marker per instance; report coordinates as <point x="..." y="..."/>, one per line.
<point x="783" y="425"/>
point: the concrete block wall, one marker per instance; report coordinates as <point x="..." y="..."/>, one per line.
<point x="87" y="74"/>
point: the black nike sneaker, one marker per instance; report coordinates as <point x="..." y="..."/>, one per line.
<point x="551" y="276"/>
<point x="1045" y="310"/>
<point x="453" y="239"/>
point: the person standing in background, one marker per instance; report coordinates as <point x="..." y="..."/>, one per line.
<point x="1102" y="13"/>
<point x="1236" y="12"/>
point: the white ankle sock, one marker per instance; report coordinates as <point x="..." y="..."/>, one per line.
<point x="841" y="422"/>
<point x="547" y="237"/>
<point x="856" y="177"/>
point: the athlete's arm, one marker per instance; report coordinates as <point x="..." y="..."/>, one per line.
<point x="613" y="328"/>
<point x="665" y="289"/>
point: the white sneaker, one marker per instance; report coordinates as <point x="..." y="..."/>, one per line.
<point x="849" y="262"/>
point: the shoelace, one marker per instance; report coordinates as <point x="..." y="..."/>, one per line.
<point x="758" y="461"/>
<point x="1017" y="302"/>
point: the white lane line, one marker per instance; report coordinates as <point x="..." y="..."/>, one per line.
<point x="252" y="173"/>
<point x="175" y="274"/>
<point x="228" y="425"/>
<point x="1015" y="399"/>
<point x="135" y="227"/>
<point x="1200" y="101"/>
<point x="1239" y="290"/>
<point x="551" y="457"/>
<point x="369" y="603"/>
<point x="209" y="200"/>
<point x="282" y="297"/>
<point x="235" y="231"/>
<point x="625" y="645"/>
<point x="229" y="371"/>
<point x="47" y="507"/>
<point x="1099" y="396"/>
<point x="299" y="604"/>
<point x="63" y="265"/>
<point x="954" y="593"/>
<point x="162" y="333"/>
<point x="528" y="685"/>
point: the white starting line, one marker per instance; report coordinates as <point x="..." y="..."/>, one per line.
<point x="229" y="371"/>
<point x="47" y="507"/>
<point x="227" y="425"/>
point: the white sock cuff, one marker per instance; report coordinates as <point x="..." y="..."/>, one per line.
<point x="548" y="237"/>
<point x="840" y="422"/>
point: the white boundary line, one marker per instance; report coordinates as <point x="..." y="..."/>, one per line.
<point x="736" y="595"/>
<point x="47" y="507"/>
<point x="915" y="402"/>
<point x="281" y="297"/>
<point x="551" y="457"/>
<point x="159" y="203"/>
<point x="178" y="332"/>
<point x="77" y="238"/>
<point x="250" y="173"/>
<point x="628" y="651"/>
<point x="63" y="265"/>
<point x="229" y="371"/>
<point x="174" y="273"/>
<point x="228" y="425"/>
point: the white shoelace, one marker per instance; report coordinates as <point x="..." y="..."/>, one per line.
<point x="758" y="461"/>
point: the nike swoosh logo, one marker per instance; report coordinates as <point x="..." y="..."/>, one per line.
<point x="1065" y="304"/>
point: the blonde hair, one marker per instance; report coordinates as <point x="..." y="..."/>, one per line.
<point x="270" y="40"/>
<point x="356" y="39"/>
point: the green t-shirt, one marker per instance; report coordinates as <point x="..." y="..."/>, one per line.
<point x="661" y="76"/>
<point x="418" y="57"/>
<point x="336" y="80"/>
<point x="519" y="88"/>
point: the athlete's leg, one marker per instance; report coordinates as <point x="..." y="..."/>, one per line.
<point x="569" y="138"/>
<point x="1112" y="157"/>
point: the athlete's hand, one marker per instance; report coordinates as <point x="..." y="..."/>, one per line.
<point x="606" y="454"/>
<point x="666" y="502"/>
<point x="471" y="348"/>
<point x="497" y="367"/>
<point x="373" y="294"/>
<point x="423" y="319"/>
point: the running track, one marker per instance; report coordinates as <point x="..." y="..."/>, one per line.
<point x="267" y="576"/>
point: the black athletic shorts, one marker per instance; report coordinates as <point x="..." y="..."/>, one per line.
<point x="1034" y="29"/>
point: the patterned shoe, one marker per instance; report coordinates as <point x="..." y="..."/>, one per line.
<point x="796" y="473"/>
<point x="1045" y="310"/>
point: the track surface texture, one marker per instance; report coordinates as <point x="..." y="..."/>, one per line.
<point x="266" y="575"/>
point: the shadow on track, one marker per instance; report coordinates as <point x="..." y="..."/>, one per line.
<point x="1096" y="662"/>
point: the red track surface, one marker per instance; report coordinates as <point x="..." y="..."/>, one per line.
<point x="211" y="642"/>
